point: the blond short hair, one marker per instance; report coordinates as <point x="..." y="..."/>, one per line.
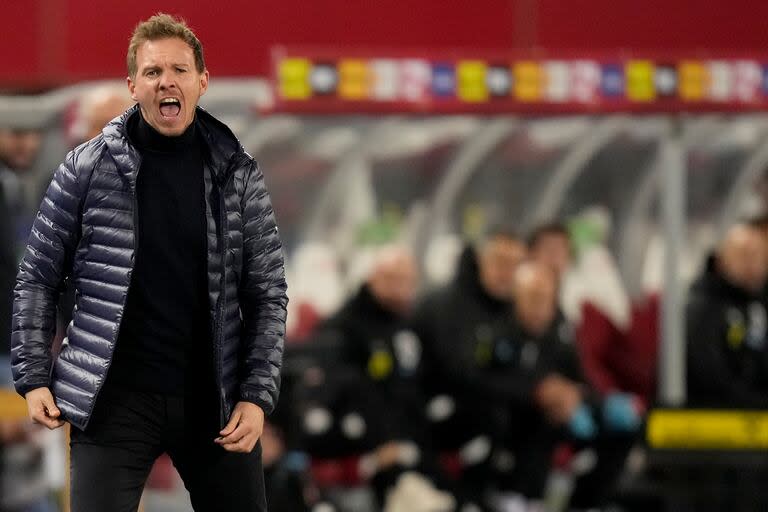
<point x="163" y="26"/>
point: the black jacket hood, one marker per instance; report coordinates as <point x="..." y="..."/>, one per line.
<point x="468" y="280"/>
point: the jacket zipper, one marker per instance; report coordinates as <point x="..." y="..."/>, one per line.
<point x="221" y="302"/>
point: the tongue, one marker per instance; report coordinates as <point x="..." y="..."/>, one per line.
<point x="170" y="109"/>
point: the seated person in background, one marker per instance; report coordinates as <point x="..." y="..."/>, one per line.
<point x="538" y="378"/>
<point x="554" y="402"/>
<point x="95" y="108"/>
<point x="550" y="245"/>
<point x="454" y="325"/>
<point x="19" y="151"/>
<point x="378" y="406"/>
<point x="726" y="325"/>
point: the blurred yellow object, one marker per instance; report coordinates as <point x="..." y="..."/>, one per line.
<point x="694" y="429"/>
<point x="380" y="365"/>
<point x="354" y="79"/>
<point x="529" y="81"/>
<point x="472" y="83"/>
<point x="737" y="332"/>
<point x="294" y="79"/>
<point x="12" y="406"/>
<point x="694" y="80"/>
<point x="640" y="80"/>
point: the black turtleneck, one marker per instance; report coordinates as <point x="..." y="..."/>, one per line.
<point x="164" y="335"/>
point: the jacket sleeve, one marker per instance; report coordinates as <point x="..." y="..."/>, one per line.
<point x="44" y="266"/>
<point x="263" y="297"/>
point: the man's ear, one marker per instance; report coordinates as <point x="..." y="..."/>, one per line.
<point x="131" y="88"/>
<point x="204" y="82"/>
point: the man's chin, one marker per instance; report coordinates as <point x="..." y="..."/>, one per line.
<point x="171" y="129"/>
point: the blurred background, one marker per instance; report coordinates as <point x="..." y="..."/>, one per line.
<point x="526" y="242"/>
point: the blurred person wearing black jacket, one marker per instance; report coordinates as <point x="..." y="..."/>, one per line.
<point x="455" y="325"/>
<point x="373" y="330"/>
<point x="550" y="400"/>
<point x="371" y="395"/>
<point x="727" y="354"/>
<point x="19" y="149"/>
<point x="726" y="325"/>
<point x="448" y="320"/>
<point x="534" y="379"/>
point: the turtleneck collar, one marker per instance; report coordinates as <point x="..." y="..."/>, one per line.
<point x="145" y="137"/>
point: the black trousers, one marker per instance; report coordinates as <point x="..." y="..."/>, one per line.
<point x="129" y="430"/>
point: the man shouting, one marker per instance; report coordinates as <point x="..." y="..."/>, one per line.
<point x="164" y="226"/>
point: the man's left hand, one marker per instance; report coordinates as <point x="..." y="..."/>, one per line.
<point x="244" y="428"/>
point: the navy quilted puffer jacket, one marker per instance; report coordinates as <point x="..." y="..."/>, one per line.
<point x="85" y="232"/>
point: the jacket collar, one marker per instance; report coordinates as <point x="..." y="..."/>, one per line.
<point x="713" y="284"/>
<point x="222" y="145"/>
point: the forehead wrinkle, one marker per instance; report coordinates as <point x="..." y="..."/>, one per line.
<point x="144" y="53"/>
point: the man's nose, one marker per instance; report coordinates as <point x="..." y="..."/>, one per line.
<point x="167" y="81"/>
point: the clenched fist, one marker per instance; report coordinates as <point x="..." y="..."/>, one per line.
<point x="42" y="408"/>
<point x="244" y="428"/>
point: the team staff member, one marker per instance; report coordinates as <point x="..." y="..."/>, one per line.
<point x="377" y="372"/>
<point x="554" y="402"/>
<point x="726" y="318"/>
<point x="455" y="325"/>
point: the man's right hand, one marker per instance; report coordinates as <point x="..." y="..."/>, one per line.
<point x="42" y="408"/>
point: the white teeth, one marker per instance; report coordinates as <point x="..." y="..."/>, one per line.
<point x="169" y="100"/>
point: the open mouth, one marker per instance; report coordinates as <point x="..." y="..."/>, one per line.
<point x="170" y="107"/>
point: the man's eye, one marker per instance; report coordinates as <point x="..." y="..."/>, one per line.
<point x="181" y="70"/>
<point x="151" y="73"/>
